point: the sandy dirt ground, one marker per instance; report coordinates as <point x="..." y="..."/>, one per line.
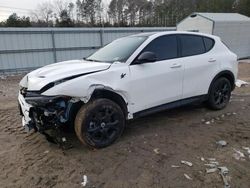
<point x="143" y="156"/>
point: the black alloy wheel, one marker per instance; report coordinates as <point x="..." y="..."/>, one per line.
<point x="99" y="123"/>
<point x="220" y="94"/>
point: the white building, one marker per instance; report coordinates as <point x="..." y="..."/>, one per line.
<point x="232" y="28"/>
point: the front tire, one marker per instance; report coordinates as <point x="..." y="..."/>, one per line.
<point x="99" y="123"/>
<point x="219" y="94"/>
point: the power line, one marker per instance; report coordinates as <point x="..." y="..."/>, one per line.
<point x="21" y="11"/>
<point x="5" y="11"/>
<point x="5" y="15"/>
<point x="15" y="8"/>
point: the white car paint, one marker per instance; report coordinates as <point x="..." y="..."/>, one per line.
<point x="143" y="86"/>
<point x="43" y="76"/>
<point x="153" y="84"/>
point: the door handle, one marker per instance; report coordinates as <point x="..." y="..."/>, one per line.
<point x="175" y="65"/>
<point x="211" y="60"/>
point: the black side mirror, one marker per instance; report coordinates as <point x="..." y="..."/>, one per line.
<point x="146" y="57"/>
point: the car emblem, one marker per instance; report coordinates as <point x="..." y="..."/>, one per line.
<point x="123" y="75"/>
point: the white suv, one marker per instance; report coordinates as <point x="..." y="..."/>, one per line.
<point x="128" y="78"/>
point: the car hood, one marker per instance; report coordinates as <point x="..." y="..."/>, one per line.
<point x="38" y="78"/>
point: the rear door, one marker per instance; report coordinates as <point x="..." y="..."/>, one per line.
<point x="200" y="64"/>
<point x="160" y="82"/>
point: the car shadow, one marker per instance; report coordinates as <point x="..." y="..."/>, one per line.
<point x="149" y="123"/>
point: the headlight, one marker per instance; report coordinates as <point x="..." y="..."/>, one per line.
<point x="59" y="82"/>
<point x="44" y="100"/>
<point x="52" y="84"/>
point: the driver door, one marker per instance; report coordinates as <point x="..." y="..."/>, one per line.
<point x="160" y="82"/>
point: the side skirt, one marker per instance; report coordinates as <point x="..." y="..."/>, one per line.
<point x="182" y="102"/>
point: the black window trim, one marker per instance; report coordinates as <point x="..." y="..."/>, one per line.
<point x="178" y="48"/>
<point x="206" y="51"/>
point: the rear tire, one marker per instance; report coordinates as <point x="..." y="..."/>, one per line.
<point x="99" y="123"/>
<point x="219" y="94"/>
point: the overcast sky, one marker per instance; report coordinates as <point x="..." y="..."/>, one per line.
<point x="21" y="7"/>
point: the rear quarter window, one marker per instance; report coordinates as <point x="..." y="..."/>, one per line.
<point x="192" y="45"/>
<point x="209" y="43"/>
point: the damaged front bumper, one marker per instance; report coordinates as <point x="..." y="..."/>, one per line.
<point x="42" y="113"/>
<point x="24" y="108"/>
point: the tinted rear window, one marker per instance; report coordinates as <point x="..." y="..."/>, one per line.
<point x="191" y="45"/>
<point x="209" y="43"/>
<point x="165" y="47"/>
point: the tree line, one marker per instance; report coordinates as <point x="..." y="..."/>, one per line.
<point x="120" y="13"/>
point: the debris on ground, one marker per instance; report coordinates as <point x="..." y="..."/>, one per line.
<point x="238" y="155"/>
<point x="85" y="180"/>
<point x="218" y="118"/>
<point x="2" y="77"/>
<point x="224" y="172"/>
<point x="211" y="170"/>
<point x="188" y="177"/>
<point x="247" y="149"/>
<point x="221" y="143"/>
<point x="211" y="165"/>
<point x="47" y="151"/>
<point x="175" y="166"/>
<point x="241" y="83"/>
<point x="202" y="159"/>
<point x="157" y="150"/>
<point x="208" y="123"/>
<point x="187" y="163"/>
<point x="214" y="162"/>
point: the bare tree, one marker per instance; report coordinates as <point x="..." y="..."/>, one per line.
<point x="43" y="12"/>
<point x="59" y="6"/>
<point x="71" y="7"/>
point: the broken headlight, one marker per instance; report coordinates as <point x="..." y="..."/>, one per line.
<point x="44" y="100"/>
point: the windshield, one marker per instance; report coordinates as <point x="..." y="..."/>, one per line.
<point x="118" y="50"/>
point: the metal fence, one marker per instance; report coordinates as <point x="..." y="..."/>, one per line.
<point x="23" y="49"/>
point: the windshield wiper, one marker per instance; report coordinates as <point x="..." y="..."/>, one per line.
<point x="92" y="60"/>
<point x="87" y="59"/>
